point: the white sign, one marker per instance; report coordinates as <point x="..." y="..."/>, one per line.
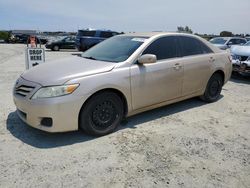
<point x="34" y="56"/>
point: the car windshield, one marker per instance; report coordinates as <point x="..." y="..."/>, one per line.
<point x="247" y="44"/>
<point x="218" y="41"/>
<point x="115" y="49"/>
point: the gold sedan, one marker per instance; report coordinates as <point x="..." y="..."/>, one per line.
<point x="122" y="76"/>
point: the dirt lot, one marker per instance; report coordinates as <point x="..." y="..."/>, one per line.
<point x="189" y="144"/>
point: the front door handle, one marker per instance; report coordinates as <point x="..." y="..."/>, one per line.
<point x="211" y="59"/>
<point x="177" y="66"/>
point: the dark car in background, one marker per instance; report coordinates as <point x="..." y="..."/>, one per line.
<point x="85" y="39"/>
<point x="64" y="43"/>
<point x="23" y="39"/>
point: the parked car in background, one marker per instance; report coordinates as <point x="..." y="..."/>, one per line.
<point x="226" y="42"/>
<point x="21" y="38"/>
<point x="43" y="39"/>
<point x="247" y="38"/>
<point x="241" y="58"/>
<point x="85" y="39"/>
<point x="64" y="43"/>
<point x="121" y="76"/>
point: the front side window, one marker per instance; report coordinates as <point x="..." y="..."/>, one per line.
<point x="233" y="41"/>
<point x="163" y="48"/>
<point x="69" y="39"/>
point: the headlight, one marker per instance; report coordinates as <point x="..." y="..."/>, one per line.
<point x="54" y="91"/>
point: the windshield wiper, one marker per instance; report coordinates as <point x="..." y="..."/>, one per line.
<point x="89" y="57"/>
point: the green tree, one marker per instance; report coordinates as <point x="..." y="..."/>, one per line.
<point x="186" y="29"/>
<point x="4" y="35"/>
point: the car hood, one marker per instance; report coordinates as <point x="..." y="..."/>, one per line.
<point x="60" y="71"/>
<point x="241" y="50"/>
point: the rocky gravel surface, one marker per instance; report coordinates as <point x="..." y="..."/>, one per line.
<point x="188" y="144"/>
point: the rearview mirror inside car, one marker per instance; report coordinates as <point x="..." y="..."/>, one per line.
<point x="147" y="59"/>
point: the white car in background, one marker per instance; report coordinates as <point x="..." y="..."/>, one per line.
<point x="241" y="58"/>
<point x="226" y="42"/>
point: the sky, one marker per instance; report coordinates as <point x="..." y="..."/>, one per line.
<point x="203" y="16"/>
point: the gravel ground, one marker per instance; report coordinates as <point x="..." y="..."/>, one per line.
<point x="188" y="144"/>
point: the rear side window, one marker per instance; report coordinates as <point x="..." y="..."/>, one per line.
<point x="193" y="46"/>
<point x="241" y="41"/>
<point x="86" y="33"/>
<point x="205" y="49"/>
<point x="164" y="48"/>
<point x="237" y="41"/>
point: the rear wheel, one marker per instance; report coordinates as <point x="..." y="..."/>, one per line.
<point x="102" y="114"/>
<point x="213" y="89"/>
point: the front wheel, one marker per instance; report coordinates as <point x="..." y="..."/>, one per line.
<point x="213" y="89"/>
<point x="56" y="48"/>
<point x="102" y="114"/>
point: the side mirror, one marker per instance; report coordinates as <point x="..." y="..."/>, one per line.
<point x="147" y="59"/>
<point x="229" y="43"/>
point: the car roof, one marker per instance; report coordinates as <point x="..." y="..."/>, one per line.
<point x="227" y="38"/>
<point x="151" y="34"/>
<point x="100" y="30"/>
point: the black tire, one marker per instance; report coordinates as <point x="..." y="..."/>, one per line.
<point x="56" y="48"/>
<point x="234" y="73"/>
<point x="213" y="89"/>
<point x="102" y="114"/>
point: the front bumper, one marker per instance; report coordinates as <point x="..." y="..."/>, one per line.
<point x="64" y="115"/>
<point x="62" y="111"/>
<point x="48" y="46"/>
<point x="241" y="66"/>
